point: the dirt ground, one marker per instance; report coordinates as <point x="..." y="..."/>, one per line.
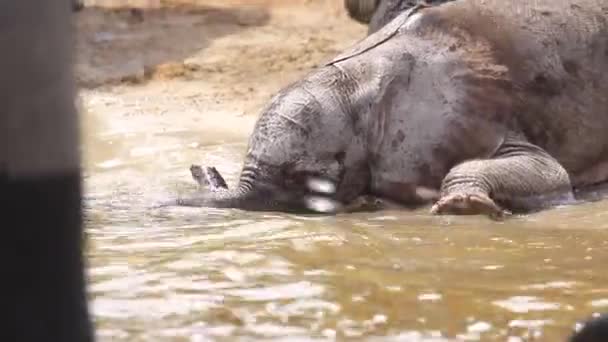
<point x="202" y="68"/>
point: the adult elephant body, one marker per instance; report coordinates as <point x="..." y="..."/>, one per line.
<point x="489" y="102"/>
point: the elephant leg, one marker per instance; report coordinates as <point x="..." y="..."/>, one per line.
<point x="361" y="10"/>
<point x="77" y="5"/>
<point x="520" y="175"/>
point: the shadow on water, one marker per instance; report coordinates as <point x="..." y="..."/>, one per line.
<point x="133" y="44"/>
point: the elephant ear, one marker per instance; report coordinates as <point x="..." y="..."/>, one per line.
<point x="379" y="37"/>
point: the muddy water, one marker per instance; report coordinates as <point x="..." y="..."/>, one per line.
<point x="178" y="274"/>
<point x="187" y="274"/>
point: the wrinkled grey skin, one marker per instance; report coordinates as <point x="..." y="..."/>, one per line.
<point x="490" y="103"/>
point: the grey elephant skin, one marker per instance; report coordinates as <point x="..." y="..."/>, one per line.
<point x="495" y="105"/>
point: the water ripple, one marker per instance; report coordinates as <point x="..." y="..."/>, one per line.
<point x="203" y="274"/>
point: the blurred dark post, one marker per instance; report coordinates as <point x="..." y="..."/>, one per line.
<point x="39" y="173"/>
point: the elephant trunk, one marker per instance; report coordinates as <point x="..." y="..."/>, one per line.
<point x="254" y="192"/>
<point x="260" y="197"/>
<point x="361" y="10"/>
<point x="237" y="198"/>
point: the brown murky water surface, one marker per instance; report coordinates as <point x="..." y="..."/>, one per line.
<point x="179" y="84"/>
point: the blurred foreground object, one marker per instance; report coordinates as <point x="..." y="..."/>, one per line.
<point x="40" y="174"/>
<point x="594" y="330"/>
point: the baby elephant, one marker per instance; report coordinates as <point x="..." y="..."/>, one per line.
<point x="492" y="105"/>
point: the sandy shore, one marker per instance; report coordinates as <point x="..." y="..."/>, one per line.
<point x="165" y="70"/>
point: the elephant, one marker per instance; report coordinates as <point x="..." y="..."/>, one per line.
<point x="472" y="106"/>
